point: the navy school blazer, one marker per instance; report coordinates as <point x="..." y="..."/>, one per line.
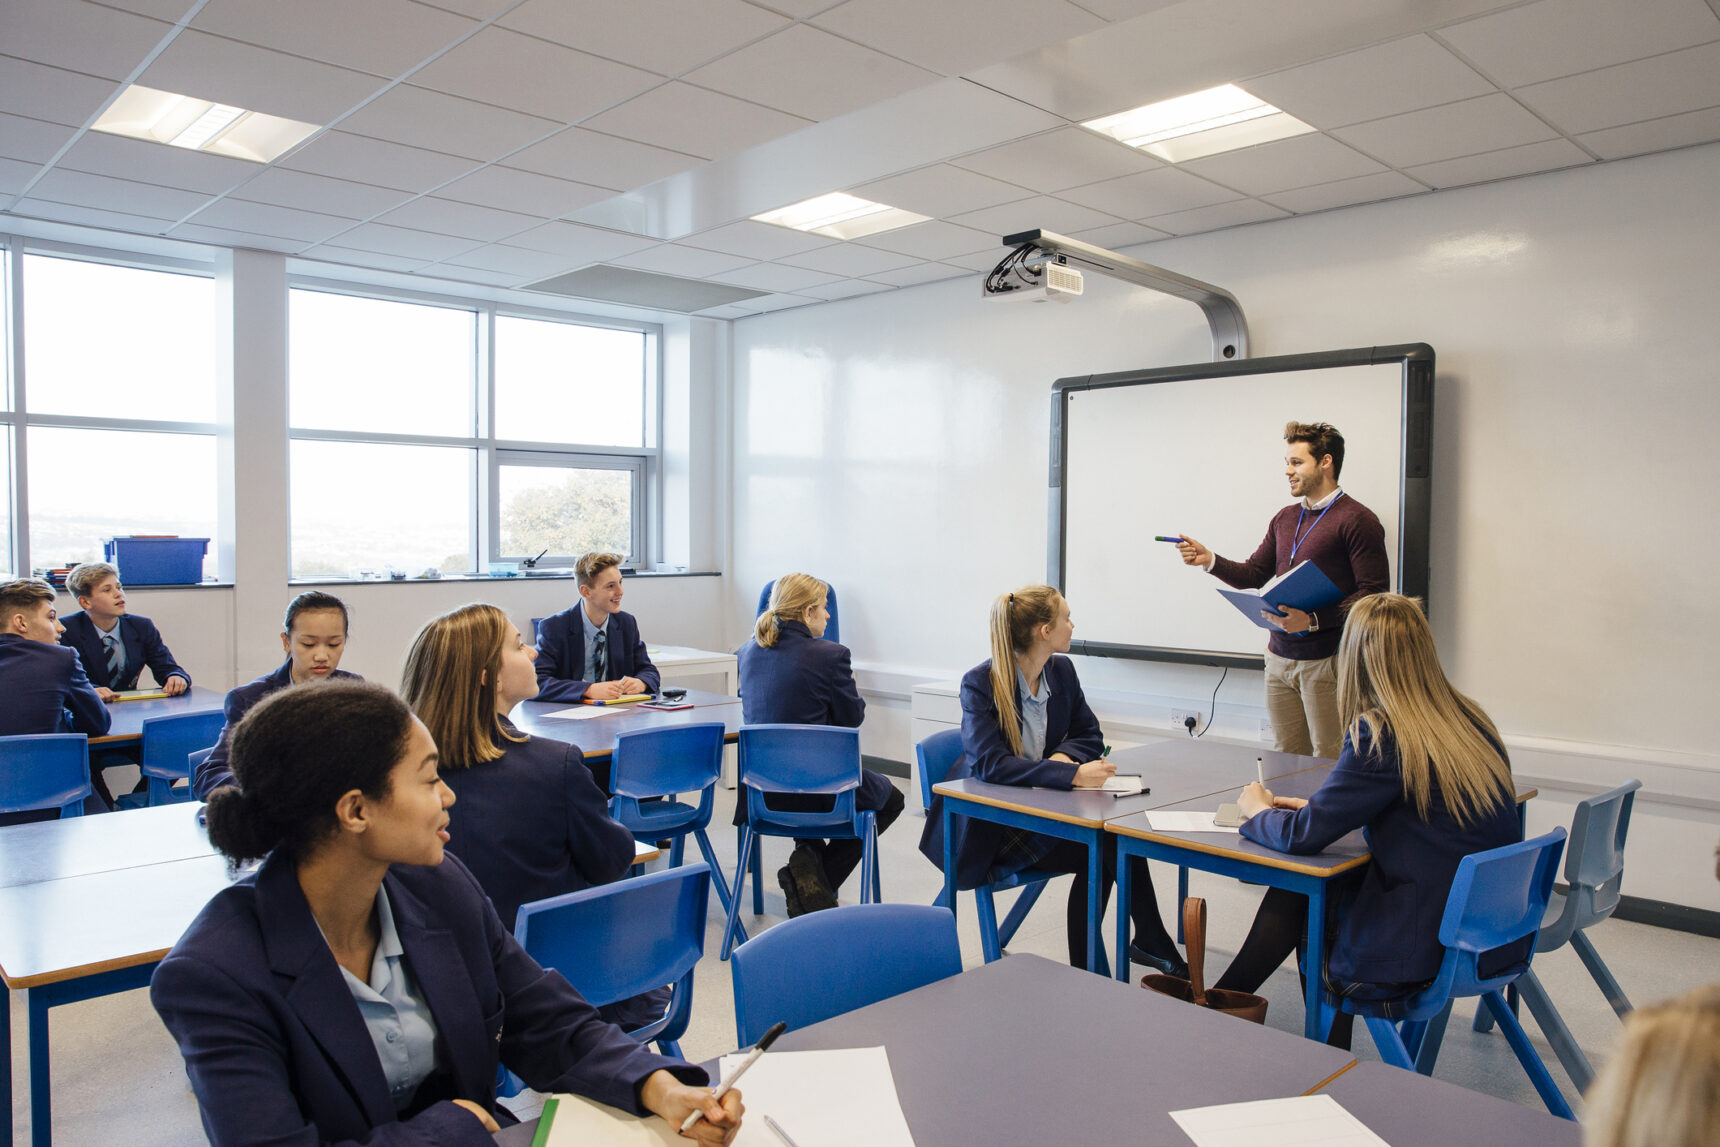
<point x="1070" y="728"/>
<point x="212" y="772"/>
<point x="46" y="690"/>
<point x="801" y="680"/>
<point x="143" y="646"/>
<point x="532" y="823"/>
<point x="278" y="1053"/>
<point x="561" y="668"/>
<point x="1390" y="930"/>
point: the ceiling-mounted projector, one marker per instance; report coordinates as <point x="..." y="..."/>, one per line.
<point x="1022" y="278"/>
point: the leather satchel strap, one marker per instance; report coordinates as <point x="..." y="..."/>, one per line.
<point x="1194" y="943"/>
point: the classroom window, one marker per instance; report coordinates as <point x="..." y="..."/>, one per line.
<point x="368" y="509"/>
<point x="560" y="382"/>
<point x="556" y="508"/>
<point x="6" y="570"/>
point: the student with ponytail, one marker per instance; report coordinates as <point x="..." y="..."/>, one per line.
<point x="1026" y="722"/>
<point x="791" y="676"/>
<point x="359" y="987"/>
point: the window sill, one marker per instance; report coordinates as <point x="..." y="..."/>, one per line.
<point x="550" y="575"/>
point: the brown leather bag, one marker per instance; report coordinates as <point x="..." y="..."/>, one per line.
<point x="1247" y="1005"/>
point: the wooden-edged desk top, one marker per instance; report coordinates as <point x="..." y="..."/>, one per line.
<point x="127" y="717"/>
<point x="596" y="736"/>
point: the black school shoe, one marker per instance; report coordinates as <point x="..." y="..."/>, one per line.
<point x="791" y="894"/>
<point x="1168" y="965"/>
<point x="809" y="880"/>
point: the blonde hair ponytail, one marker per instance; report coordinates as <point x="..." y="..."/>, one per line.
<point x="790" y="598"/>
<point x="1014" y="617"/>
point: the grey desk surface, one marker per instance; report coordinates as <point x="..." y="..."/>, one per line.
<point x="128" y="716"/>
<point x="1027" y="1051"/>
<point x="596" y="735"/>
<point x="83" y="845"/>
<point x="1410" y="1110"/>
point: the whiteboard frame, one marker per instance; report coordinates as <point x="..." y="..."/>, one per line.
<point x="1415" y="475"/>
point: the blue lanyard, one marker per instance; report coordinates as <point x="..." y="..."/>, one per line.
<point x="1299" y="536"/>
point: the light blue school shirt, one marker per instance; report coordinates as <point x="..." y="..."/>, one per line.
<point x="399" y="1021"/>
<point x="1033" y="714"/>
<point x="591" y="632"/>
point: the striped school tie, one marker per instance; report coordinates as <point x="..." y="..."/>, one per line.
<point x="115" y="657"/>
<point x="600" y="656"/>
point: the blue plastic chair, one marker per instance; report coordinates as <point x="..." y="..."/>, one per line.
<point x="45" y="771"/>
<point x="168" y="743"/>
<point x="1498" y="898"/>
<point x="826" y="963"/>
<point x="1594" y="871"/>
<point x="832" y="630"/>
<point x="937" y="755"/>
<point x="621" y="940"/>
<point x="805" y="759"/>
<point x="651" y="763"/>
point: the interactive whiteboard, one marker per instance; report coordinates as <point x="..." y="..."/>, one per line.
<point x="1200" y="449"/>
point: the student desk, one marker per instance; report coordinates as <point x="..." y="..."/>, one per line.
<point x="1174" y="771"/>
<point x="1029" y="1051"/>
<point x="596" y="736"/>
<point x="128" y="716"/>
<point x="1410" y="1110"/>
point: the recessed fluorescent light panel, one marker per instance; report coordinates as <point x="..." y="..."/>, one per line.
<point x="202" y="125"/>
<point x="1204" y="123"/>
<point x="841" y="216"/>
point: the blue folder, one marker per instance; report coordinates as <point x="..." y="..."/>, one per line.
<point x="1301" y="587"/>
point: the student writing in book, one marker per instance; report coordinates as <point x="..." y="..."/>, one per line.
<point x="314" y="636"/>
<point x="1026" y="722"/>
<point x="593" y="651"/>
<point x="359" y="987"/>
<point x="1424" y="773"/>
<point x="1346" y="541"/>
<point x="44" y="683"/>
<point x="789" y="675"/>
<point x="116" y="645"/>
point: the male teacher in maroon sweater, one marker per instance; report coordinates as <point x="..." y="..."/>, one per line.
<point x="1346" y="541"/>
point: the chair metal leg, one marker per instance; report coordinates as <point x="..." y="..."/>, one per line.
<point x="1564" y="1044"/>
<point x="943" y="899"/>
<point x="1182" y="895"/>
<point x="1386" y="1038"/>
<point x="1432" y="1035"/>
<point x="718" y="881"/>
<point x="1597" y="967"/>
<point x="869" y="862"/>
<point x="670" y="1047"/>
<point x="740" y="885"/>
<point x="988" y="942"/>
<point x="1483" y="1017"/>
<point x="1519" y="1041"/>
<point x="758" y="875"/>
<point x="41" y="1106"/>
<point x="677" y="849"/>
<point x="1024" y="902"/>
<point x="6" y="1064"/>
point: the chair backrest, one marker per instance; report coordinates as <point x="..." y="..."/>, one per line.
<point x="168" y="741"/>
<point x="664" y="762"/>
<point x="799" y="759"/>
<point x="537" y="627"/>
<point x="1594" y="863"/>
<point x="46" y="770"/>
<point x="620" y="940"/>
<point x="937" y="755"/>
<point x="826" y="963"/>
<point x="832" y="628"/>
<point x="1497" y="898"/>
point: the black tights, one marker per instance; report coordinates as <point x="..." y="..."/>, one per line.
<point x="1278" y="931"/>
<point x="1150" y="934"/>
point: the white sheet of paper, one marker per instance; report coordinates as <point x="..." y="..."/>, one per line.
<point x="580" y="1122"/>
<point x="1124" y="784"/>
<point x="580" y="713"/>
<point x="1305" y="1121"/>
<point x="838" y="1098"/>
<point x="1185" y="822"/>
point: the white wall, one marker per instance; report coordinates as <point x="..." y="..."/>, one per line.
<point x="896" y="445"/>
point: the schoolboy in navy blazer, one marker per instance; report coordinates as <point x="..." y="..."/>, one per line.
<point x="143" y="646"/>
<point x="277" y="1051"/>
<point x="1070" y="728"/>
<point x="46" y="690"/>
<point x="562" y="672"/>
<point x="213" y="772"/>
<point x="1390" y="930"/>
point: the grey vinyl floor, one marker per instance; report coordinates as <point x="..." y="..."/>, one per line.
<point x="117" y="1077"/>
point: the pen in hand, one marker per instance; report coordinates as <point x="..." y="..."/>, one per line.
<point x="779" y="1132"/>
<point x="1260" y="770"/>
<point x="729" y="1080"/>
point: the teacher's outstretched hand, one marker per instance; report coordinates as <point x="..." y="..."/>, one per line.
<point x="1193" y="553"/>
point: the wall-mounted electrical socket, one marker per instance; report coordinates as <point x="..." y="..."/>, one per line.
<point x="1180" y="719"/>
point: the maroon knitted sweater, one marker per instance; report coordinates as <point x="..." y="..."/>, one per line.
<point x="1348" y="546"/>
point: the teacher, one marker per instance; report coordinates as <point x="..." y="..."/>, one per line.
<point x="1346" y="542"/>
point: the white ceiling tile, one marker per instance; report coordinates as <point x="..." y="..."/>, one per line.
<point x="665" y="36"/>
<point x="355" y="258"/>
<point x="846" y="259"/>
<point x="1146" y="193"/>
<point x="383" y="37"/>
<point x="222" y="237"/>
<point x="89" y="216"/>
<point x="1562" y="37"/>
<point x="1119" y="235"/>
<point x="380" y="237"/>
<point x="267" y="219"/>
<point x="1058" y="160"/>
<point x="982" y="261"/>
<point x="810" y="73"/>
<point x="466" y="220"/>
<point x="1678" y="82"/>
<point x="941" y="191"/>
<point x="319" y="193"/>
<point x="601" y="160"/>
<point x="844" y="289"/>
<point x="726" y="311"/>
<point x="80" y="36"/>
<point x="1232" y="214"/>
<point x="932" y="240"/>
<point x="1386" y="185"/>
<point x="526" y="266"/>
<point x="214" y="68"/>
<point x="766" y="303"/>
<point x="798" y="9"/>
<point x="452" y="272"/>
<point x="1546" y="156"/>
<point x="683" y="118"/>
<point x="1124" y="9"/>
<point x="342" y="156"/>
<point x="580" y="244"/>
<point x="1655" y="134"/>
<point x="776" y="277"/>
<point x="34" y="140"/>
<point x="1300" y="161"/>
<point x="535" y="76"/>
<point x="476" y="9"/>
<point x="524" y="191"/>
<point x="757" y="240"/>
<point x="122" y="158"/>
<point x="691" y="262"/>
<point x="1400" y="76"/>
<point x="956" y="36"/>
<point x="919" y="273"/>
<point x="1042" y="211"/>
<point x="1487" y="123"/>
<point x="169" y="10"/>
<point x="440" y="122"/>
<point x="51" y="94"/>
<point x="15" y="175"/>
<point x="61" y="186"/>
